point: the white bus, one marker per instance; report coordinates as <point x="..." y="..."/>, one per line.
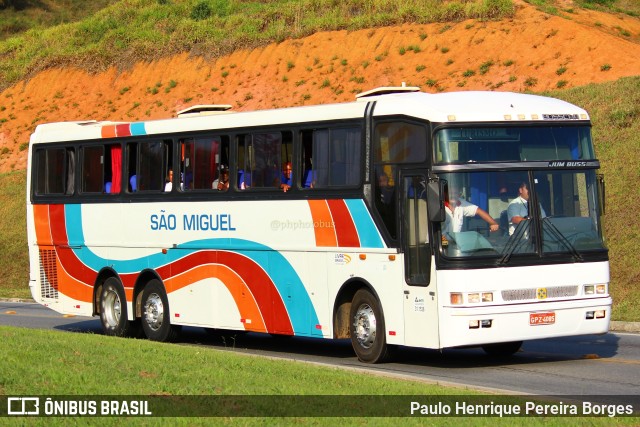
<point x="400" y="219"/>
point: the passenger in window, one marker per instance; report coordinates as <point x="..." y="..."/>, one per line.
<point x="518" y="209"/>
<point x="385" y="205"/>
<point x="222" y="183"/>
<point x="285" y="179"/>
<point x="168" y="186"/>
<point x="456" y="209"/>
<point x="308" y="179"/>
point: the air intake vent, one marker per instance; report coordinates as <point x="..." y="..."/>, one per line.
<point x="539" y="293"/>
<point x="48" y="274"/>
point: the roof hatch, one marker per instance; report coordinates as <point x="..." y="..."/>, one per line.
<point x="387" y="90"/>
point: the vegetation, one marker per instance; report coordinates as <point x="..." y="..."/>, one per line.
<point x="18" y="16"/>
<point x="14" y="264"/>
<point x="128" y="31"/>
<point x="615" y="112"/>
<point x="628" y="7"/>
<point x="48" y="363"/>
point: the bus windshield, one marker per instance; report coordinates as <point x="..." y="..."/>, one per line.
<point x="492" y="214"/>
<point x="503" y="144"/>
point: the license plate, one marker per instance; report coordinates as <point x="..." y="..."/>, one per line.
<point x="542" y="318"/>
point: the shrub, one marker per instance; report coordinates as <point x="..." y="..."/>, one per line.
<point x="201" y="11"/>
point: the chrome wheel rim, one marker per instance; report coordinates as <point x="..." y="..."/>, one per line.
<point x="364" y="325"/>
<point x="112" y="308"/>
<point x="154" y="312"/>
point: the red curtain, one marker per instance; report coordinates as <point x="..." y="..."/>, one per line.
<point x="116" y="168"/>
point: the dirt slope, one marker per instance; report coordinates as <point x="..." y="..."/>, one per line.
<point x="534" y="51"/>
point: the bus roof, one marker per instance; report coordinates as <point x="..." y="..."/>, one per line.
<point x="457" y="107"/>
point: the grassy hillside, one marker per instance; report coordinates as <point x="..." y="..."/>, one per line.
<point x="143" y="30"/>
<point x="14" y="263"/>
<point x="615" y="111"/>
<point x="19" y="16"/>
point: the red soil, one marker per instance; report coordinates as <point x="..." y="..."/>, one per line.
<point x="533" y="51"/>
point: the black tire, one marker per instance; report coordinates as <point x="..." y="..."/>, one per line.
<point x="156" y="317"/>
<point x="367" y="328"/>
<point x="113" y="311"/>
<point x="502" y="349"/>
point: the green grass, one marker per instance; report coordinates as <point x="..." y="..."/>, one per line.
<point x="28" y="15"/>
<point x="49" y="363"/>
<point x="129" y="31"/>
<point x="628" y="7"/>
<point x="14" y="264"/>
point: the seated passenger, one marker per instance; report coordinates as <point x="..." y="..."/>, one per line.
<point x="518" y="209"/>
<point x="222" y="183"/>
<point x="457" y="208"/>
<point x="168" y="186"/>
<point x="285" y="180"/>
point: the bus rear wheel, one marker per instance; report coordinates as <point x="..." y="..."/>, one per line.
<point x="502" y="349"/>
<point x="156" y="319"/>
<point x="367" y="328"/>
<point x="113" y="311"/>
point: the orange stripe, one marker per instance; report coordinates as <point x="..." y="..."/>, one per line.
<point x="322" y="223"/>
<point x="41" y="222"/>
<point x="108" y="131"/>
<point x="241" y="294"/>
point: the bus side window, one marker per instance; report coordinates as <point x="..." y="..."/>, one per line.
<point x="55" y="171"/>
<point x="331" y="157"/>
<point x="201" y="161"/>
<point x="153" y="164"/>
<point x="259" y="160"/>
<point x="93" y="180"/>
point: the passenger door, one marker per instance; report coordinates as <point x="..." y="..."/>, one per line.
<point x="420" y="299"/>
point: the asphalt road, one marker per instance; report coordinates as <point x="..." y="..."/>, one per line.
<point x="606" y="366"/>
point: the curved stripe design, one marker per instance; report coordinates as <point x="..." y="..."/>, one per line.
<point x="367" y="230"/>
<point x="322" y="223"/>
<point x="259" y="279"/>
<point x="247" y="305"/>
<point x="344" y="223"/>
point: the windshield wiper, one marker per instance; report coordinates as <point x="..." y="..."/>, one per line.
<point x="514" y="241"/>
<point x="561" y="238"/>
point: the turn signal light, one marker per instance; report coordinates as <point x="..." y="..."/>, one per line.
<point x="456" y="298"/>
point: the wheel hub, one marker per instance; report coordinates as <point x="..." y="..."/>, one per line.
<point x="112" y="309"/>
<point x="154" y="312"/>
<point x="364" y="324"/>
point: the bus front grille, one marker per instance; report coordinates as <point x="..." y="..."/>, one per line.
<point x="539" y="293"/>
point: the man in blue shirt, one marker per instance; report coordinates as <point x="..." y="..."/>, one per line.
<point x="518" y="209"/>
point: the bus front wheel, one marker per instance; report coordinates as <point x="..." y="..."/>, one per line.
<point x="113" y="311"/>
<point x="367" y="328"/>
<point x="156" y="319"/>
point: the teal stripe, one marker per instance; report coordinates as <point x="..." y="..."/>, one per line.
<point x="137" y="128"/>
<point x="367" y="230"/>
<point x="285" y="278"/>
